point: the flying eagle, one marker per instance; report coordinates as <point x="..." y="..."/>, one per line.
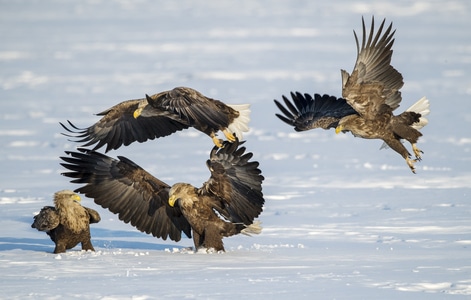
<point x="160" y="115"/>
<point x="372" y="92"/>
<point x="67" y="222"/>
<point x="225" y="205"/>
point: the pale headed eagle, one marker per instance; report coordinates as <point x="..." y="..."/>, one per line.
<point x="225" y="205"/>
<point x="67" y="222"/>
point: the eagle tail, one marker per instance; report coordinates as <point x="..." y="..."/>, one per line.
<point x="254" y="228"/>
<point x="421" y="107"/>
<point x="241" y="123"/>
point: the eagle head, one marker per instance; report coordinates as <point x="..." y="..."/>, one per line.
<point x="180" y="191"/>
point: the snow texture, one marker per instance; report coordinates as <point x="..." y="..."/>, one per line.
<point x="342" y="220"/>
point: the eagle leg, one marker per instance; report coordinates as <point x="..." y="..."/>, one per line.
<point x="417" y="152"/>
<point x="410" y="163"/>
<point x="229" y="136"/>
<point x="216" y="141"/>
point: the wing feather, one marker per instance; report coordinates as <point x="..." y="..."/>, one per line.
<point x="127" y="190"/>
<point x="193" y="108"/>
<point x="373" y="81"/>
<point x="309" y="113"/>
<point x="236" y="183"/>
<point x="118" y="127"/>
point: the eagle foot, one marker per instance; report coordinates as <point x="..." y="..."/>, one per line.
<point x="229" y="135"/>
<point x="417" y="152"/>
<point x="217" y="142"/>
<point x="410" y="163"/>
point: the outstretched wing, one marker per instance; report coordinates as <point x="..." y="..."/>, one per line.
<point x="127" y="190"/>
<point x="373" y="81"/>
<point x="118" y="127"/>
<point x="193" y="108"/>
<point x="235" y="183"/>
<point x="305" y="112"/>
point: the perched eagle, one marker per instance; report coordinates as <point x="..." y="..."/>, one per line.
<point x="160" y="115"/>
<point x="225" y="205"/>
<point x="67" y="222"/>
<point x="372" y="92"/>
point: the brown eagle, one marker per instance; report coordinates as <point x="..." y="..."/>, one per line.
<point x="160" y="115"/>
<point x="372" y="92"/>
<point x="225" y="205"/>
<point x="67" y="222"/>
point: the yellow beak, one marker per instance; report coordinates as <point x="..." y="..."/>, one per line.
<point x="76" y="198"/>
<point x="338" y="129"/>
<point x="137" y="113"/>
<point x="172" y="200"/>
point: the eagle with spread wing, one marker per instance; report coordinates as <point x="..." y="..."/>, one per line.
<point x="369" y="96"/>
<point x="160" y="115"/>
<point x="225" y="205"/>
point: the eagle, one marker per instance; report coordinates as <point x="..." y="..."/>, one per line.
<point x="369" y="97"/>
<point x="160" y="115"/>
<point x="67" y="222"/>
<point x="225" y="205"/>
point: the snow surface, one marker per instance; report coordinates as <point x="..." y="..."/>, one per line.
<point x="343" y="220"/>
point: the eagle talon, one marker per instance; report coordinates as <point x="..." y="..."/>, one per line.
<point x="217" y="142"/>
<point x="410" y="163"/>
<point x="229" y="136"/>
<point x="417" y="152"/>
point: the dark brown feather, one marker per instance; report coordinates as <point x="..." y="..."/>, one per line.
<point x="127" y="190"/>
<point x="159" y="115"/>
<point x="234" y="191"/>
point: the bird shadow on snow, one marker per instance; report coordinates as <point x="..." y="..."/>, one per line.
<point x="99" y="240"/>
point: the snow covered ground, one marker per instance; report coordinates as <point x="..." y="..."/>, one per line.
<point x="343" y="220"/>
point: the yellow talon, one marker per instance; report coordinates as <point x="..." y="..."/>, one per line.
<point x="417" y="152"/>
<point x="217" y="141"/>
<point x="410" y="163"/>
<point x="229" y="136"/>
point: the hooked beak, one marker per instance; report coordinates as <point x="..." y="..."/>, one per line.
<point x="338" y="129"/>
<point x="172" y="200"/>
<point x="76" y="198"/>
<point x="137" y="113"/>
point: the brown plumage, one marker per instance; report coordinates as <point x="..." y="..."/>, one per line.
<point x="373" y="91"/>
<point x="160" y="115"/>
<point x="67" y="223"/>
<point x="225" y="205"/>
<point x="370" y="95"/>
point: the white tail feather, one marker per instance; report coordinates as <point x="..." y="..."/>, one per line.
<point x="241" y="123"/>
<point x="421" y="107"/>
<point x="254" y="228"/>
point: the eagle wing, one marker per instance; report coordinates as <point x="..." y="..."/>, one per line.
<point x="306" y="112"/>
<point x="118" y="127"/>
<point x="235" y="183"/>
<point x="127" y="190"/>
<point x="93" y="214"/>
<point x="47" y="219"/>
<point x="193" y="108"/>
<point x="373" y="81"/>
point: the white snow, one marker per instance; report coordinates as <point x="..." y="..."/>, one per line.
<point x="342" y="220"/>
